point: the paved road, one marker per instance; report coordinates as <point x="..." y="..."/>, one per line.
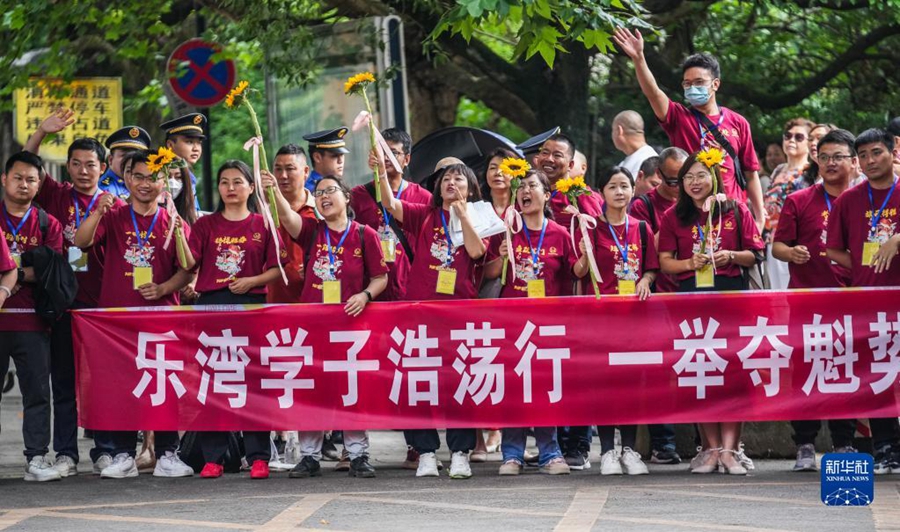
<point x="669" y="499"/>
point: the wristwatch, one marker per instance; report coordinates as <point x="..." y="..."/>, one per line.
<point x="731" y="256"/>
<point x="20" y="276"/>
<point x="368" y="295"/>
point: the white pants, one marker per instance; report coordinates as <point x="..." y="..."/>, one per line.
<point x="779" y="274"/>
<point x="355" y="441"/>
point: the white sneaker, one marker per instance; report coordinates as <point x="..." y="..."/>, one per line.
<point x="122" y="466"/>
<point x="610" y="464"/>
<point x="459" y="465"/>
<point x="65" y="466"/>
<point x="103" y="461"/>
<point x="632" y="463"/>
<point x="171" y="466"/>
<point x="39" y="469"/>
<point x="427" y="465"/>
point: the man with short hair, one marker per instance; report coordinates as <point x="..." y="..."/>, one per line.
<point x="894" y="129"/>
<point x="863" y="238"/>
<point x="138" y="271"/>
<point x="531" y="147"/>
<point x="646" y="178"/>
<point x="24" y="336"/>
<point x="184" y="136"/>
<point x="704" y="123"/>
<point x="800" y="240"/>
<point x="556" y="160"/>
<point x="580" y="165"/>
<point x="326" y="152"/>
<point x="628" y="138"/>
<point x="71" y="203"/>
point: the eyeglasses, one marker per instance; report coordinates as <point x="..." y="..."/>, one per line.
<point x="799" y="137"/>
<point x="696" y="83"/>
<point x="327" y="191"/>
<point x="398" y="153"/>
<point x="838" y="158"/>
<point x="690" y="178"/>
<point x="531" y="186"/>
<point x="141" y="178"/>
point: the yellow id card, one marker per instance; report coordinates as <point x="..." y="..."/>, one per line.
<point x="78" y="260"/>
<point x="627" y="287"/>
<point x="331" y="292"/>
<point x="869" y="251"/>
<point x="142" y="275"/>
<point x="389" y="249"/>
<point x="537" y="288"/>
<point x="446" y="282"/>
<point x="705" y="277"/>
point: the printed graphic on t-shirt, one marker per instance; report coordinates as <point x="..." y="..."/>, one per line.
<point x="882" y="232"/>
<point x="322" y="268"/>
<point x="439" y="248"/>
<point x="230" y="258"/>
<point x="137" y="256"/>
<point x="634" y="264"/>
<point x="712" y="244"/>
<point x="526" y="269"/>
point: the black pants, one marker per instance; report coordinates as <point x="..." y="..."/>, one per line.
<point x="885" y="431"/>
<point x="215" y="444"/>
<point x="125" y="441"/>
<point x="842" y="431"/>
<point x="428" y="441"/>
<point x="662" y="437"/>
<point x="722" y="284"/>
<point x="573" y="439"/>
<point x="62" y="379"/>
<point x="31" y="353"/>
<point x="608" y="436"/>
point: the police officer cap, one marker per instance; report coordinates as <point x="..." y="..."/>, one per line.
<point x="188" y="125"/>
<point x="533" y="145"/>
<point x="129" y="137"/>
<point x="331" y="139"/>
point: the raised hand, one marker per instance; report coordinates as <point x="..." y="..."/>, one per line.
<point x="631" y="44"/>
<point x="58" y="121"/>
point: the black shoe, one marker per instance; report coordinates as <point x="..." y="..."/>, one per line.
<point x="665" y="457"/>
<point x="361" y="468"/>
<point x="308" y="467"/>
<point x="329" y="451"/>
<point x="575" y="459"/>
<point x="337" y="437"/>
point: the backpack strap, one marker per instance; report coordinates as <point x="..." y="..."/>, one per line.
<point x="43" y="222"/>
<point x="642" y="229"/>
<point x="312" y="249"/>
<point x="361" y="230"/>
<point x="720" y="138"/>
<point x="401" y="235"/>
<point x="651" y="210"/>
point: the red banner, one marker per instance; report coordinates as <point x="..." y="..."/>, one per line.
<point x="492" y="363"/>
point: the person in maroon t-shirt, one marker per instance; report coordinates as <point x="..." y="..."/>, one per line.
<point x="71" y="203"/>
<point x="24" y="336"/>
<point x="556" y="159"/>
<point x="372" y="214"/>
<point x="863" y="237"/>
<point x="235" y="257"/>
<point x="138" y="271"/>
<point x="8" y="273"/>
<point x="443" y="269"/>
<point x="290" y="171"/>
<point x="799" y="240"/>
<point x="685" y="128"/>
<point x="345" y="265"/>
<point x="709" y="257"/>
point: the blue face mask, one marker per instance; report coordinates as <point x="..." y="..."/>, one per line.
<point x="696" y="96"/>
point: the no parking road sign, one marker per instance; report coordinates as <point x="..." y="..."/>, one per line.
<point x="196" y="77"/>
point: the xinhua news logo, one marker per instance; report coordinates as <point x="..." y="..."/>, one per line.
<point x="848" y="479"/>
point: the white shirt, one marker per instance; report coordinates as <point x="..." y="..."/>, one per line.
<point x="634" y="161"/>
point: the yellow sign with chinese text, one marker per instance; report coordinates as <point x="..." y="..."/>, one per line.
<point x="97" y="103"/>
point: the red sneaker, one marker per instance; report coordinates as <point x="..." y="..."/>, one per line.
<point x="211" y="470"/>
<point x="260" y="469"/>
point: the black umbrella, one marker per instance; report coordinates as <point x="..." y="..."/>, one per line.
<point x="468" y="144"/>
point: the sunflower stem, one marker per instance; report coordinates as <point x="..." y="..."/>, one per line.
<point x="270" y="191"/>
<point x="372" y="142"/>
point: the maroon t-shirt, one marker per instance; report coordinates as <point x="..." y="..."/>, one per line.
<point x="226" y="250"/>
<point x="352" y="267"/>
<point x="684" y="241"/>
<point x="554" y="265"/>
<point x="123" y="253"/>
<point x="59" y="200"/>
<point x="684" y="131"/>
<point x="369" y="213"/>
<point x="664" y="283"/>
<point x="29" y="237"/>
<point x="590" y="204"/>
<point x="804" y="222"/>
<point x="609" y="258"/>
<point x="6" y="261"/>
<point x="426" y="232"/>
<point x="294" y="267"/>
<point x="850" y="227"/>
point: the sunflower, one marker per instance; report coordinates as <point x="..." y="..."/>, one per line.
<point x="578" y="182"/>
<point x="514" y="168"/>
<point x="236" y="96"/>
<point x="358" y="82"/>
<point x="711" y="157"/>
<point x="161" y="160"/>
<point x="564" y="185"/>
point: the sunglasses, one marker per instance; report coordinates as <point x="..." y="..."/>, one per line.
<point x="798" y="137"/>
<point x="671" y="181"/>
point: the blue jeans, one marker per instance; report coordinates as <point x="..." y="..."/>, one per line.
<point x="513" y="444"/>
<point x="662" y="437"/>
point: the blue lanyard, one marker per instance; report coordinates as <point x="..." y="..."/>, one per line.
<point x="827" y="200"/>
<point x="623" y="250"/>
<point x="137" y="230"/>
<point x="15" y="230"/>
<point x="331" y="249"/>
<point x="535" y="253"/>
<point x="449" y="259"/>
<point x="702" y="236"/>
<point x="716" y="126"/>
<point x="876" y="217"/>
<point x="387" y="215"/>
<point x="78" y="218"/>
